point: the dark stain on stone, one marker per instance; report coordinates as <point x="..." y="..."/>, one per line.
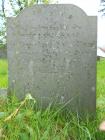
<point x="70" y="16"/>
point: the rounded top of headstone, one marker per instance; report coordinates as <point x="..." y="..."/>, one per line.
<point x="53" y="8"/>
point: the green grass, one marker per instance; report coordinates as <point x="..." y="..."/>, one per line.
<point x="53" y="123"/>
<point x="3" y="73"/>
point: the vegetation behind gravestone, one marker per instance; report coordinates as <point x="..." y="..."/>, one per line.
<point x="102" y="9"/>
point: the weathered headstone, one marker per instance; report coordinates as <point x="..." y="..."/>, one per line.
<point x="52" y="55"/>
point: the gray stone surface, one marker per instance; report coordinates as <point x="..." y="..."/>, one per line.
<point x="52" y="55"/>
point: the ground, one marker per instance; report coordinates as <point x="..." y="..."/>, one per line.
<point x="51" y="124"/>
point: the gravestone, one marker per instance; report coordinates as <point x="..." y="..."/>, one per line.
<point x="52" y="55"/>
